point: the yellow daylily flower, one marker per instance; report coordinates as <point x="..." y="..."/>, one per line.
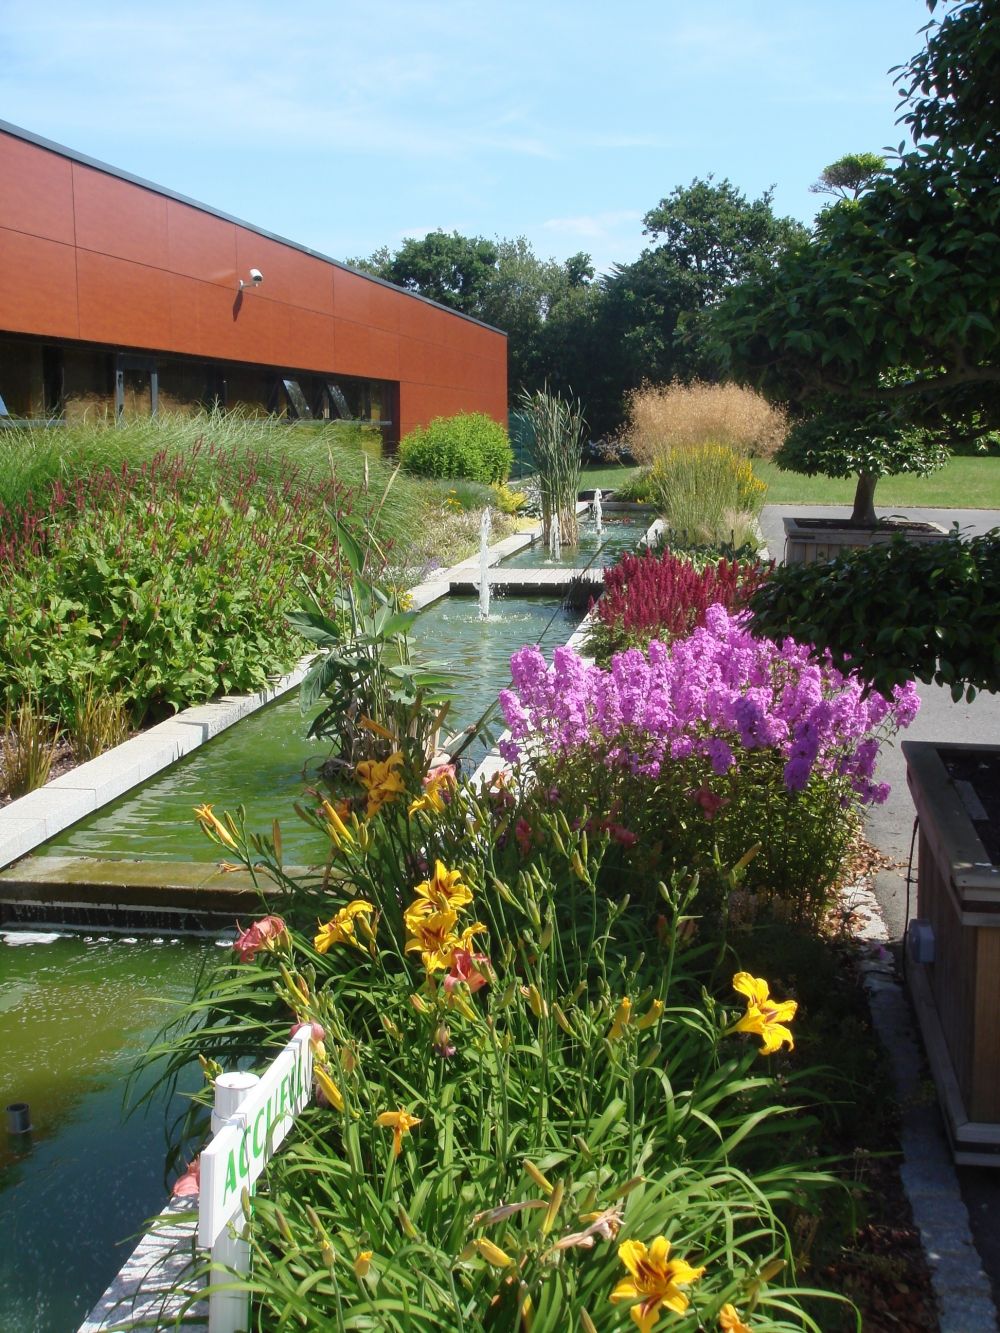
<point x="341" y="927"/>
<point x="730" y="1321"/>
<point x="621" y="1020"/>
<point x="652" y="1015"/>
<point x="765" y="1017"/>
<point x="444" y="891"/>
<point x="333" y="819"/>
<point x="214" y="827"/>
<point x="492" y="1253"/>
<point x="432" y="935"/>
<point x="381" y="780"/>
<point x="655" y="1281"/>
<point x="436" y="783"/>
<point x="328" y="1088"/>
<point x="400" y="1122"/>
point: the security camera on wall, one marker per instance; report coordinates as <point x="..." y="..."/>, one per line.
<point x="256" y="277"/>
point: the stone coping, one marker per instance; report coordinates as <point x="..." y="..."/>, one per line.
<point x="33" y="819"/>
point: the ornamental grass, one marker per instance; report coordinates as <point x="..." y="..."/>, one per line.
<point x="664" y="417"/>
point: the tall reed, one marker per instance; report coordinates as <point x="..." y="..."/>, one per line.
<point x="556" y="427"/>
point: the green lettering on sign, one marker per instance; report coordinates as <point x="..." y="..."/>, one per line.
<point x="230" y="1177"/>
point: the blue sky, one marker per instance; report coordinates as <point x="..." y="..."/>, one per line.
<point x="346" y="125"/>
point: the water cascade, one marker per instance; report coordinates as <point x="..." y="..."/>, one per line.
<point x="484" y="565"/>
<point x="598" y="511"/>
<point x="555" y="537"/>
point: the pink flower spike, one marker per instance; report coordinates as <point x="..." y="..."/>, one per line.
<point x="465" y="969"/>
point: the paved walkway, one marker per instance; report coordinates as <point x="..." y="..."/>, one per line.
<point x="945" y="1202"/>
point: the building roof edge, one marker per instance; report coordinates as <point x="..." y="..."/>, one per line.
<point x="18" y="132"/>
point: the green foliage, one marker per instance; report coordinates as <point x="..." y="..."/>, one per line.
<point x="850" y="175"/>
<point x="451" y="269"/>
<point x="893" y="306"/>
<point x="584" y="1088"/>
<point x="166" y="604"/>
<point x="470" y="445"/>
<point x="896" y="612"/>
<point x="372" y="690"/>
<point x="643" y="321"/>
<point x="790" y="846"/>
<point x="846" y="443"/>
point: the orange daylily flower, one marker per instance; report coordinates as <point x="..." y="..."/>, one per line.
<point x="214" y="827"/>
<point x="381" y="780"/>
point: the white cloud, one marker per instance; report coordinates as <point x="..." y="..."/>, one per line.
<point x="594" y="226"/>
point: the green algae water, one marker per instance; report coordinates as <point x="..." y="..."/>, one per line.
<point x="265" y="762"/>
<point x="75" y="1012"/>
<point x="620" y="533"/>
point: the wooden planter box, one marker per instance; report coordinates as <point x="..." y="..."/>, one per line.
<point x="810" y="539"/>
<point x="957" y="995"/>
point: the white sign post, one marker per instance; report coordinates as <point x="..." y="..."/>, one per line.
<point x="255" y="1116"/>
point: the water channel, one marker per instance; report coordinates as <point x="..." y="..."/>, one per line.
<point x="76" y="1010"/>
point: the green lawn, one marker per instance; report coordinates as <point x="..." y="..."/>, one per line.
<point x="964" y="483"/>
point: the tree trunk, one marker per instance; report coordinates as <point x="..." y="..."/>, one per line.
<point x="864" y="501"/>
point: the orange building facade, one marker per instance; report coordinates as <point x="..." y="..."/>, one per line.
<point x="117" y="295"/>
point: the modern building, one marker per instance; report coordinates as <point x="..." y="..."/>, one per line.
<point x="119" y="296"/>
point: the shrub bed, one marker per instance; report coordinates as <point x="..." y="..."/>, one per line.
<point x="470" y="445"/>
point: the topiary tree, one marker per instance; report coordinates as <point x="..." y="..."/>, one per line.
<point x="849" y="176"/>
<point x="882" y="331"/>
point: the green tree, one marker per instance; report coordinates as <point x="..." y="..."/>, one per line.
<point x="445" y="267"/>
<point x="849" y="176"/>
<point x="886" y="322"/>
<point x="652" y="318"/>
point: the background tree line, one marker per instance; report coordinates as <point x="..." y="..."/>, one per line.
<point x="602" y="336"/>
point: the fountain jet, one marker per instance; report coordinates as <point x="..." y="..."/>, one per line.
<point x="485" y="525"/>
<point x="555" y="537"/>
<point x="598" y="511"/>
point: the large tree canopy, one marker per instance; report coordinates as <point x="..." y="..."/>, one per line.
<point x="892" y="308"/>
<point x="644" y="321"/>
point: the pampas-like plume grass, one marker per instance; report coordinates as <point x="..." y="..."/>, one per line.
<point x="666" y="417"/>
